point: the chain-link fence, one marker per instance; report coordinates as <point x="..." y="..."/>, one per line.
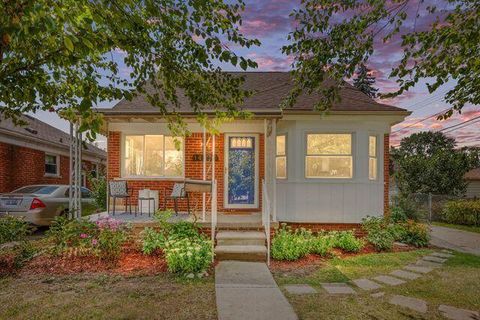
<point x="425" y="207"/>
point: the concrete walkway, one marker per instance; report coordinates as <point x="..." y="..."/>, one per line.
<point x="463" y="241"/>
<point x="247" y="291"/>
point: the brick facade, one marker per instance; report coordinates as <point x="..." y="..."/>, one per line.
<point x="193" y="170"/>
<point x="21" y="166"/>
<point x="386" y="174"/>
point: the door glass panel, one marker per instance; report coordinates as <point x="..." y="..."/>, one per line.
<point x="241" y="170"/>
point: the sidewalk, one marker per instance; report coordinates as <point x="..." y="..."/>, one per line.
<point x="463" y="241"/>
<point x="247" y="291"/>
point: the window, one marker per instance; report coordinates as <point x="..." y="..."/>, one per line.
<point x="51" y="165"/>
<point x="329" y="156"/>
<point x="153" y="155"/>
<point x="372" y="158"/>
<point x="281" y="157"/>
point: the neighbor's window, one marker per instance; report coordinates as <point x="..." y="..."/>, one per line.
<point x="329" y="156"/>
<point x="51" y="164"/>
<point x="372" y="157"/>
<point x="153" y="155"/>
<point x="281" y="157"/>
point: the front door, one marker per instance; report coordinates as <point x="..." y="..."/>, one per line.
<point x="241" y="171"/>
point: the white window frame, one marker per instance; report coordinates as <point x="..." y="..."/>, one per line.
<point x="162" y="177"/>
<point x="374" y="157"/>
<point x="57" y="163"/>
<point x="351" y="155"/>
<point x="280" y="156"/>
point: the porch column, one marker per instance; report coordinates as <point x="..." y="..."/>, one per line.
<point x="274" y="166"/>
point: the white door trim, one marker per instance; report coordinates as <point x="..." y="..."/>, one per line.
<point x="226" y="164"/>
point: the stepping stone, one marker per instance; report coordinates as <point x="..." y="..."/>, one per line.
<point x="338" y="288"/>
<point x="456" y="313"/>
<point x="434" y="259"/>
<point x="405" y="274"/>
<point x="418" y="269"/>
<point x="389" y="280"/>
<point x="447" y="251"/>
<point x="410" y="303"/>
<point x="300" y="289"/>
<point x="442" y="255"/>
<point x="378" y="294"/>
<point x="366" y="284"/>
<point x="425" y="263"/>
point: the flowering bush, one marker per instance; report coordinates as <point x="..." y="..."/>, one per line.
<point x="290" y="245"/>
<point x="415" y="234"/>
<point x="103" y="237"/>
<point x="188" y="255"/>
<point x="152" y="240"/>
<point x="322" y="244"/>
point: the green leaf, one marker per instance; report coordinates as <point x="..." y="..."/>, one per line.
<point x="68" y="44"/>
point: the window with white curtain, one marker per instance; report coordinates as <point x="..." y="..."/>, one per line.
<point x="372" y="158"/>
<point x="153" y="156"/>
<point x="281" y="157"/>
<point x="329" y="155"/>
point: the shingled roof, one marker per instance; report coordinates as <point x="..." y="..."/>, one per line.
<point x="40" y="132"/>
<point x="270" y="89"/>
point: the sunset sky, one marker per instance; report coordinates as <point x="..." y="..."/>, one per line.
<point x="269" y="21"/>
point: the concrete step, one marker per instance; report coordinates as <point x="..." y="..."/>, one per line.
<point x="241" y="253"/>
<point x="241" y="238"/>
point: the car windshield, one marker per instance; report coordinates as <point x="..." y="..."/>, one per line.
<point x="36" y="189"/>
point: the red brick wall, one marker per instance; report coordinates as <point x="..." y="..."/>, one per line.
<point x="21" y="166"/>
<point x="386" y="174"/>
<point x="193" y="170"/>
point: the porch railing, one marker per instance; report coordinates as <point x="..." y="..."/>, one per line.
<point x="266" y="217"/>
<point x="214" y="214"/>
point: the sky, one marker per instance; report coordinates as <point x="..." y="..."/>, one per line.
<point x="269" y="21"/>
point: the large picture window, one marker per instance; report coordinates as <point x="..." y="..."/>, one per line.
<point x="153" y="156"/>
<point x="281" y="157"/>
<point x="372" y="158"/>
<point x="329" y="156"/>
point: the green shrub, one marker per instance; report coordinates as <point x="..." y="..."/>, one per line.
<point x="13" y="229"/>
<point x="98" y="187"/>
<point x="466" y="212"/>
<point x="182" y="230"/>
<point x="415" y="234"/>
<point x="397" y="214"/>
<point x="380" y="233"/>
<point x="347" y="241"/>
<point x="409" y="206"/>
<point x="322" y="244"/>
<point x="111" y="235"/>
<point x="188" y="255"/>
<point x="152" y="240"/>
<point x="290" y="245"/>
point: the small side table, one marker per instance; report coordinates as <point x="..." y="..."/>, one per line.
<point x="148" y="199"/>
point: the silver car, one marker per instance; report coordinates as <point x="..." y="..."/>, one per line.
<point x="40" y="204"/>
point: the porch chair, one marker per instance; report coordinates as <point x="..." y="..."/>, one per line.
<point x="119" y="189"/>
<point x="178" y="192"/>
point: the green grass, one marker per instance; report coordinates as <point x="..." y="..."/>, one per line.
<point x="105" y="296"/>
<point x="455" y="284"/>
<point x="457" y="226"/>
<point x="346" y="269"/>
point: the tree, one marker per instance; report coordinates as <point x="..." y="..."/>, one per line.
<point x="332" y="38"/>
<point x="364" y="81"/>
<point x="63" y="56"/>
<point x="428" y="162"/>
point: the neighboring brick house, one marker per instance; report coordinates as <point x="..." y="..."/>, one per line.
<point x="39" y="154"/>
<point x="329" y="170"/>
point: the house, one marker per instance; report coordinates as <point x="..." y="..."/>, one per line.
<point x="321" y="171"/>
<point x="473" y="183"/>
<point x="38" y="153"/>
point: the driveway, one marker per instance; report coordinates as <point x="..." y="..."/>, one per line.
<point x="463" y="241"/>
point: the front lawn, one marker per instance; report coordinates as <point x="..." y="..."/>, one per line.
<point x="102" y="296"/>
<point x="455" y="284"/>
<point x="457" y="226"/>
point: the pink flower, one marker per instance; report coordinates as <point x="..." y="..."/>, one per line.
<point x="94" y="242"/>
<point x="83" y="235"/>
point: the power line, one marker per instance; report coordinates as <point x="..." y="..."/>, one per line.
<point x="421" y="120"/>
<point x="460" y="125"/>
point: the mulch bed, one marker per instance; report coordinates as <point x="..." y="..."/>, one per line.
<point x="132" y="261"/>
<point x="309" y="262"/>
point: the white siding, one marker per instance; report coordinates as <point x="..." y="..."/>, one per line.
<point x="473" y="189"/>
<point x="331" y="200"/>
